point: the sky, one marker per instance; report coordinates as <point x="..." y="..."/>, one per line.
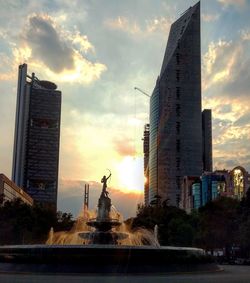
<point x="97" y="52"/>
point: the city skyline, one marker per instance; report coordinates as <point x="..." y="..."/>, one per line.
<point x="104" y="56"/>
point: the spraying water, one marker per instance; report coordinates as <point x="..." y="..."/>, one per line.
<point x="103" y="226"/>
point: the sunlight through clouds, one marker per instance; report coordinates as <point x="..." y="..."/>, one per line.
<point x="66" y="62"/>
<point x="218" y="62"/>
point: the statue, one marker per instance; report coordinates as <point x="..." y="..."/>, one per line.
<point x="104" y="187"/>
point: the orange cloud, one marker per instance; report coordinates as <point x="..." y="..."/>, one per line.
<point x="124" y="146"/>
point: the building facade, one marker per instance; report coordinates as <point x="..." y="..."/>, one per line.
<point x="146" y="159"/>
<point x="37" y="135"/>
<point x="196" y="192"/>
<point x="187" y="193"/>
<point x="207" y="157"/>
<point x="9" y="191"/>
<point x="175" y="112"/>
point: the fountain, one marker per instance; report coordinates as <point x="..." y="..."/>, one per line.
<point x="99" y="245"/>
<point x="102" y="227"/>
<point x="103" y="223"/>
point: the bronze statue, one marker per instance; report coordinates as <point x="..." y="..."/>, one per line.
<point x="104" y="181"/>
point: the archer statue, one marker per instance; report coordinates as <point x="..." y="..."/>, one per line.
<point x="104" y="186"/>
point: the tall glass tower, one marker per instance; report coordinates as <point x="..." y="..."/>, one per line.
<point x="36" y="140"/>
<point x="175" y="111"/>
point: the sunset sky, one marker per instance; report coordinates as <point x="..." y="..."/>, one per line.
<point x="97" y="52"/>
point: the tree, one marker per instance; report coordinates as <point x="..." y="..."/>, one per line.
<point x="24" y="224"/>
<point x="218" y="225"/>
<point x="175" y="226"/>
<point x="244" y="225"/>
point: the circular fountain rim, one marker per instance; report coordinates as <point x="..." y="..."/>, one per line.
<point x="102" y="246"/>
<point x="102" y="259"/>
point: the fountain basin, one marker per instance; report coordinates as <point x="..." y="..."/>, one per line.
<point x="103" y="259"/>
<point x="105" y="238"/>
<point x="103" y="225"/>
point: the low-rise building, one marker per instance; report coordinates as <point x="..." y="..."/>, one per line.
<point x="10" y="191"/>
<point x="187" y="200"/>
<point x="196" y="192"/>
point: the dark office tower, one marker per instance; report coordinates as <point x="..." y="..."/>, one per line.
<point x="175" y="111"/>
<point x="207" y="140"/>
<point x="146" y="159"/>
<point x="36" y="141"/>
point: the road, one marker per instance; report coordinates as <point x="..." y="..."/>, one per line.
<point x="231" y="274"/>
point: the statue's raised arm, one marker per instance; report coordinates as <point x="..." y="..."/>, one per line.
<point x="109" y="176"/>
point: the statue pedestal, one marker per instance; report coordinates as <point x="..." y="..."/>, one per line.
<point x="104" y="206"/>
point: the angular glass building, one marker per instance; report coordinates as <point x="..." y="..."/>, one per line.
<point x="146" y="159"/>
<point x="36" y="140"/>
<point x="175" y="111"/>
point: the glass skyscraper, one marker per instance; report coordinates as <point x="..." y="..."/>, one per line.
<point x="176" y="147"/>
<point x="37" y="135"/>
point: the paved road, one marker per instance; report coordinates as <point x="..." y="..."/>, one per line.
<point x="231" y="274"/>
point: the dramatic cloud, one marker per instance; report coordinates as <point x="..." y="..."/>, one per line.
<point x="219" y="62"/>
<point x="240" y="79"/>
<point x="47" y="45"/>
<point x="56" y="52"/>
<point x="226" y="84"/>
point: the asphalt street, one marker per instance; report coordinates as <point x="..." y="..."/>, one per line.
<point x="231" y="274"/>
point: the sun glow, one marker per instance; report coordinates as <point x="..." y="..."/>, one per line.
<point x="130" y="172"/>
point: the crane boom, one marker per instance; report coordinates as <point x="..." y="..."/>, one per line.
<point x="136" y="88"/>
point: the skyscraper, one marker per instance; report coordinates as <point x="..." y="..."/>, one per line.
<point x="146" y="159"/>
<point x="175" y="111"/>
<point x="37" y="135"/>
<point x="207" y="140"/>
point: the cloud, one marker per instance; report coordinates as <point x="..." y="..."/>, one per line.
<point x="226" y="108"/>
<point x="243" y="120"/>
<point x="210" y="17"/>
<point x="245" y="35"/>
<point x="47" y="45"/>
<point x="6" y="72"/>
<point x="159" y="24"/>
<point x="124" y="146"/>
<point x="123" y="23"/>
<point x="151" y="26"/>
<point x="218" y="62"/>
<point x="237" y="3"/>
<point x="224" y="70"/>
<point x="231" y="130"/>
<point x="240" y="79"/>
<point x="55" y="52"/>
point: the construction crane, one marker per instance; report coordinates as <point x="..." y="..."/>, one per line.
<point x="137" y="88"/>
